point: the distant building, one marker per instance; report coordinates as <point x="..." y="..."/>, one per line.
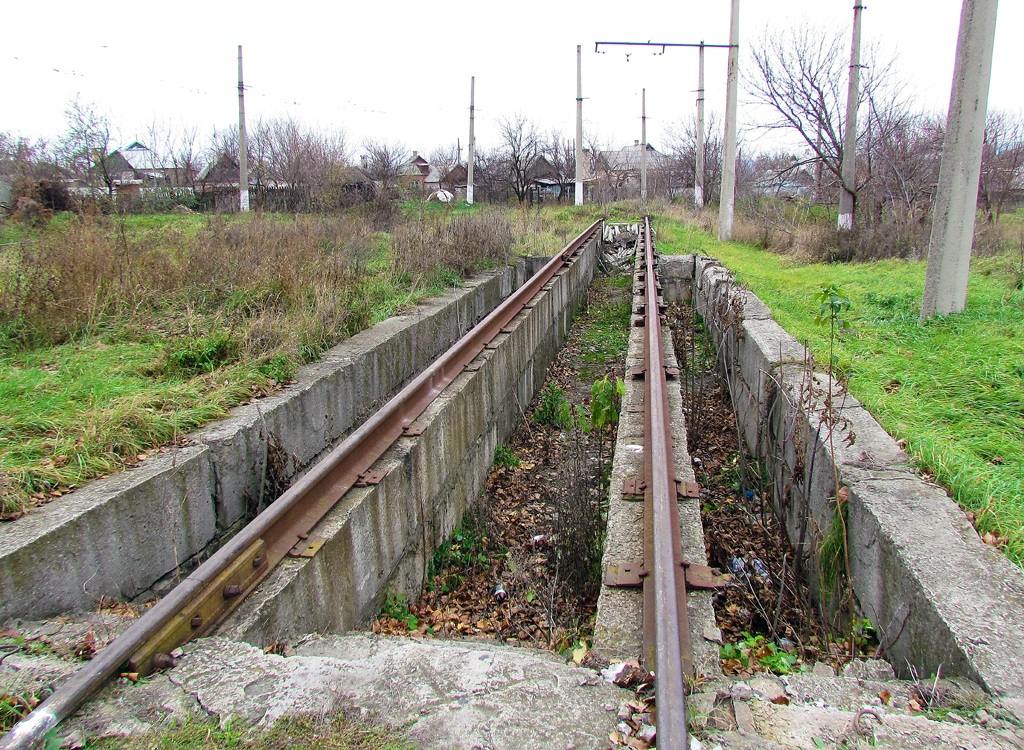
<point x="615" y="174"/>
<point x="136" y="167"/>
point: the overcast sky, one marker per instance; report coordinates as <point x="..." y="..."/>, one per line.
<point x="400" y="71"/>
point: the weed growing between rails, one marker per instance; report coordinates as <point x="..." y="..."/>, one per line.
<point x="524" y="566"/>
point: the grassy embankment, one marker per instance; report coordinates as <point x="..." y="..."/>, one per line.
<point x="952" y="388"/>
<point x="118" y="335"/>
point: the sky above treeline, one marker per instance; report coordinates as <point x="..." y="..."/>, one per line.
<point x="400" y="71"/>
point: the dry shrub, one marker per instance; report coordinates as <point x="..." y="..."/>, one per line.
<point x="994" y="238"/>
<point x="460" y="244"/>
<point x="814" y="242"/>
<point x="63" y="284"/>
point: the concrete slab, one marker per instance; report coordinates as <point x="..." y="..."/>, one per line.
<point x="441" y="694"/>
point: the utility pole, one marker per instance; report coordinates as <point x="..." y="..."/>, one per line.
<point x="579" y="126"/>
<point x="698" y="162"/>
<point x="847" y="196"/>
<point x="643" y="147"/>
<point x="698" y="188"/>
<point x="472" y="141"/>
<point x="243" y="149"/>
<point x="956" y="201"/>
<point x="728" y="199"/>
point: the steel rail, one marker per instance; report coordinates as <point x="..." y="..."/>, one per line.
<point x="213" y="590"/>
<point x="665" y="589"/>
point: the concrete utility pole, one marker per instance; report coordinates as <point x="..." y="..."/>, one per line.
<point x="243" y="149"/>
<point x="728" y="199"/>
<point x="472" y="141"/>
<point x="698" y="164"/>
<point x="579" y="126"/>
<point x="847" y="196"/>
<point x="956" y="202"/>
<point x="643" y="146"/>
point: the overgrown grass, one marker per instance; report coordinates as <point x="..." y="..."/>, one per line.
<point x="121" y="334"/>
<point x="953" y="388"/>
<point x="606" y="336"/>
<point x="305" y="731"/>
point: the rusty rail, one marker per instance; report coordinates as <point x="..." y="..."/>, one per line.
<point x="666" y="627"/>
<point x="210" y="593"/>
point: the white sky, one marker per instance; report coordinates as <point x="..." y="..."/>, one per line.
<point x="399" y="70"/>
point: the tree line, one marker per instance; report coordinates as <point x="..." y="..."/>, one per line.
<point x="795" y="83"/>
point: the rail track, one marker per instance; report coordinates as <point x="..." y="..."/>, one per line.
<point x="666" y="627"/>
<point x="204" y="599"/>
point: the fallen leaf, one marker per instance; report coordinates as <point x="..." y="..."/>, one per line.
<point x="86" y="649"/>
<point x="579" y="653"/>
<point x="886" y="696"/>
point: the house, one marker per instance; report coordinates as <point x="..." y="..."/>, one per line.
<point x="456" y="179"/>
<point x="217" y="184"/>
<point x="136" y="167"/>
<point x="414" y="175"/>
<point x="615" y="173"/>
<point x="548" y="183"/>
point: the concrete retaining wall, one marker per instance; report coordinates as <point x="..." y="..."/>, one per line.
<point x="381" y="538"/>
<point x="118" y="536"/>
<point x="940" y="598"/>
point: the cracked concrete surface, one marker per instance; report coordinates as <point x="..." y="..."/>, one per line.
<point x="440" y="694"/>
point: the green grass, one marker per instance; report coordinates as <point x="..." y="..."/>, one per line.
<point x="204" y="318"/>
<point x="953" y="388"/>
<point x="290" y="732"/>
<point x="606" y="337"/>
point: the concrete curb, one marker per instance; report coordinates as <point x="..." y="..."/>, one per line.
<point x="941" y="599"/>
<point x="119" y="536"/>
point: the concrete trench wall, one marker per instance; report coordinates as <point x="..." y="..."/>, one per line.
<point x="381" y="538"/>
<point x="119" y="536"/>
<point x="940" y="598"/>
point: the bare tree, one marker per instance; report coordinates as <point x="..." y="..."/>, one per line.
<point x="491" y="174"/>
<point x="385" y="163"/>
<point x="521" y="146"/>
<point x="1002" y="162"/>
<point x="799" y="75"/>
<point x="681" y="145"/>
<point x="904" y="164"/>
<point x="560" y="153"/>
<point x="445" y="158"/>
<point x="85" y="146"/>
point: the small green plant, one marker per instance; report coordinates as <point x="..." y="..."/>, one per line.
<point x="464" y="548"/>
<point x="833" y="305"/>
<point x="16" y="706"/>
<point x="606" y="400"/>
<point x="554" y="409"/>
<point x="279" y="368"/>
<point x="203" y="355"/>
<point x="396" y="607"/>
<point x="503" y="456"/>
<point x="832" y="553"/>
<point x="759" y="654"/>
